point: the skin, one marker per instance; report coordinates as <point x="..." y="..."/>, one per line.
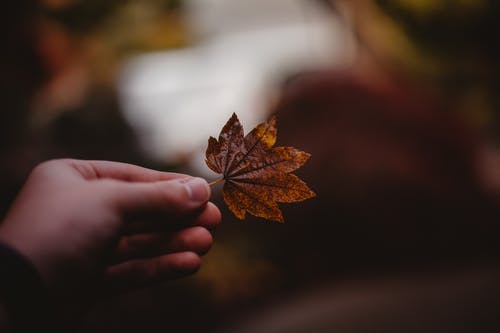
<point x="94" y="228"/>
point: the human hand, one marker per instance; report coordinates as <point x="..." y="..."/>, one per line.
<point x="107" y="226"/>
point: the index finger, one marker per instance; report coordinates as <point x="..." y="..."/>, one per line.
<point x="121" y="171"/>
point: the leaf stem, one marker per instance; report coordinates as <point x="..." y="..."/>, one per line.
<point x="217" y="181"/>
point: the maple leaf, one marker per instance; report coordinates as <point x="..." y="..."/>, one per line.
<point x="257" y="175"/>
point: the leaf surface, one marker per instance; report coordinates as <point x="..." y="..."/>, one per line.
<point x="257" y="175"/>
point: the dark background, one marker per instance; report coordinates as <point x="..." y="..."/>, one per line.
<point x="403" y="234"/>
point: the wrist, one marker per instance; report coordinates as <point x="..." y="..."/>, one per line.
<point x="25" y="246"/>
<point x="23" y="293"/>
<point x="4" y="319"/>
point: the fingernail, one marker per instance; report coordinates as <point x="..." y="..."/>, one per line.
<point x="198" y="189"/>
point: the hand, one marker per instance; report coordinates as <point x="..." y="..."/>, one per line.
<point x="96" y="225"/>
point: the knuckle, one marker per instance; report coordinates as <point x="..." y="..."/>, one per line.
<point x="42" y="167"/>
<point x="50" y="164"/>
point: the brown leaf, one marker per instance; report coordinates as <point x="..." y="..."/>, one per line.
<point x="257" y="176"/>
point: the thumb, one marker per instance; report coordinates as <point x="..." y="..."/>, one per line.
<point x="173" y="196"/>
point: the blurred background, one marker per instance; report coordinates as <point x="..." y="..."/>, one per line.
<point x="398" y="101"/>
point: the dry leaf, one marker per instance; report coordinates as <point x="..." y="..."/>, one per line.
<point x="257" y="176"/>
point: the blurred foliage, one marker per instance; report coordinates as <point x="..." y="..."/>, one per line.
<point x="457" y="29"/>
<point x="238" y="271"/>
<point x="82" y="16"/>
<point x="450" y="47"/>
<point x="124" y="27"/>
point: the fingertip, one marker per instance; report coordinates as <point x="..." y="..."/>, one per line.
<point x="215" y="213"/>
<point x="210" y="217"/>
<point x="197" y="188"/>
<point x="198" y="240"/>
<point x="186" y="262"/>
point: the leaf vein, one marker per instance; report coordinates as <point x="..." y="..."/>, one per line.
<point x="237" y="174"/>
<point x="237" y="187"/>
<point x="271" y="185"/>
<point x="237" y="164"/>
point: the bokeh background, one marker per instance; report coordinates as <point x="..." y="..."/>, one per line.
<point x="398" y="101"/>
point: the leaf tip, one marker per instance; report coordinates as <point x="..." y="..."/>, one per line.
<point x="239" y="214"/>
<point x="273" y="120"/>
<point x="234" y="117"/>
<point x="306" y="156"/>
